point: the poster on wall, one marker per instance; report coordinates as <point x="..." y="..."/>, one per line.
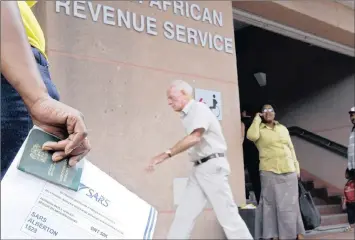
<point x="213" y="100"/>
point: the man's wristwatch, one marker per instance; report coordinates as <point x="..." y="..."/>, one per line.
<point x="168" y="152"/>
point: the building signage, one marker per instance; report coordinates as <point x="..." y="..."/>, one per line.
<point x="94" y="11"/>
<point x="212" y="99"/>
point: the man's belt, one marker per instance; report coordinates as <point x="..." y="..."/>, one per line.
<point x="215" y="155"/>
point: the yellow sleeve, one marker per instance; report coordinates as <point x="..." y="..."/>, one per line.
<point x="290" y="144"/>
<point x="253" y="133"/>
<point x="31" y="3"/>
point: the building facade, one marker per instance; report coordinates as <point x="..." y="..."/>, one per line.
<point x="114" y="60"/>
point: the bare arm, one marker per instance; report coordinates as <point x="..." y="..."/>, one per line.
<point x="17" y="61"/>
<point x="21" y="71"/>
<point x="185" y="143"/>
<point x="253" y="133"/>
<point x="242" y="132"/>
<point x="196" y="129"/>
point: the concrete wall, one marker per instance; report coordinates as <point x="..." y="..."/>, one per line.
<point x="324" y="113"/>
<point x="325" y="18"/>
<point x="118" y="79"/>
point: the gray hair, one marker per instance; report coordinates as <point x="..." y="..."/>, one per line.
<point x="183" y="86"/>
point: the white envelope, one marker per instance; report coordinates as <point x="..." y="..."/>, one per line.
<point x="102" y="208"/>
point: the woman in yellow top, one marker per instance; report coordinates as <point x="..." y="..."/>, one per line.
<point x="29" y="96"/>
<point x="278" y="214"/>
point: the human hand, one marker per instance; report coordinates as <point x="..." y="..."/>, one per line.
<point x="64" y="122"/>
<point x="259" y="115"/>
<point x="155" y="161"/>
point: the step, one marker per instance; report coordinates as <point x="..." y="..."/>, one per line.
<point x="329" y="209"/>
<point x="334" y="199"/>
<point x="334" y="219"/>
<point x="319" y="183"/>
<point x="308" y="185"/>
<point x="318" y="201"/>
<point x="325" y="231"/>
<point x="321" y="193"/>
<point x="331" y="190"/>
<point x="334" y="235"/>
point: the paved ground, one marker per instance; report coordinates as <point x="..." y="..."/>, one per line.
<point x="339" y="235"/>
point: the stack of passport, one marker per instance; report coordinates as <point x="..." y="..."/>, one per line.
<point x="39" y="163"/>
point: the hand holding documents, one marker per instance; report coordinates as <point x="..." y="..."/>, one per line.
<point x="39" y="163"/>
<point x="101" y="208"/>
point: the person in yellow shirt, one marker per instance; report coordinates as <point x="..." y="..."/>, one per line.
<point x="28" y="95"/>
<point x="278" y="213"/>
<point x="33" y="29"/>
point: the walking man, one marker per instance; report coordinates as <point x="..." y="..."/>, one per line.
<point x="208" y="180"/>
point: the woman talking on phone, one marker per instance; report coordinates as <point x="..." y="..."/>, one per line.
<point x="278" y="214"/>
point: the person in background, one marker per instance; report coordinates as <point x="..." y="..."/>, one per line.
<point x="349" y="194"/>
<point x="207" y="148"/>
<point x="278" y="213"/>
<point x="251" y="155"/>
<point x="350" y="175"/>
<point x="28" y="95"/>
<point x="351" y="146"/>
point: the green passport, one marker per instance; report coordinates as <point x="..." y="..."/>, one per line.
<point x="39" y="163"/>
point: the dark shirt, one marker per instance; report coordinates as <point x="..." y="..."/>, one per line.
<point x="248" y="146"/>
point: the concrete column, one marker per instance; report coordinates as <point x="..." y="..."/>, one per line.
<point x="118" y="78"/>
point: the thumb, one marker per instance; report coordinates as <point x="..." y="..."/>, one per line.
<point x="77" y="133"/>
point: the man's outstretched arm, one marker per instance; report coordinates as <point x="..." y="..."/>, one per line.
<point x="17" y="62"/>
<point x="181" y="146"/>
<point x="187" y="142"/>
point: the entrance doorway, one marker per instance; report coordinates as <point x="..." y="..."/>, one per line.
<point x="311" y="85"/>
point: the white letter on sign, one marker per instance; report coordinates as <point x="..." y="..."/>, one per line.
<point x="156" y="3"/>
<point x="169" y="30"/>
<point x="152" y="26"/>
<point x="94" y="13"/>
<point x="178" y="5"/>
<point x="180" y="33"/>
<point x="59" y="4"/>
<point x="166" y="4"/>
<point x="217" y="18"/>
<point x="217" y="42"/>
<point x="109" y="15"/>
<point x="77" y="7"/>
<point x="195" y="12"/>
<point x="228" y="45"/>
<point x="126" y="19"/>
<point x="206" y="16"/>
<point x="135" y="23"/>
<point x="191" y="35"/>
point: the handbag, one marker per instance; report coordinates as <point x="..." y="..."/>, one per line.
<point x="310" y="215"/>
